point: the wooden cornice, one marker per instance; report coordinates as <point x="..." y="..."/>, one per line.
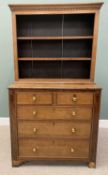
<point x="54" y="7"/>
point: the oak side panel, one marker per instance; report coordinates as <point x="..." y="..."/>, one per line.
<point x="94" y="45"/>
<point x="13" y="126"/>
<point x="94" y="129"/>
<point x="15" y="47"/>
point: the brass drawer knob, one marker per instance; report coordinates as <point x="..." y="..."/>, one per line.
<point x="73" y="113"/>
<point x="72" y="150"/>
<point x="74" y="98"/>
<point x="35" y="130"/>
<point x="34" y="98"/>
<point x="35" y="149"/>
<point x="34" y="112"/>
<point x="73" y="130"/>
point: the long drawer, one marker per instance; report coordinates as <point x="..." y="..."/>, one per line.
<point x="49" y="128"/>
<point x="53" y="148"/>
<point x="32" y="112"/>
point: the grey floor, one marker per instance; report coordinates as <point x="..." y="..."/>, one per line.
<point x="37" y="168"/>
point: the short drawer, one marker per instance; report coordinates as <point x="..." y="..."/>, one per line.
<point x="72" y="98"/>
<point x="34" y="98"/>
<point x="33" y="112"/>
<point x="49" y="128"/>
<point x="53" y="148"/>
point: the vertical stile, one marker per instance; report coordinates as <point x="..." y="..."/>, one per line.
<point x="31" y="48"/>
<point x="62" y="45"/>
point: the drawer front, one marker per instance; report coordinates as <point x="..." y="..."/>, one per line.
<point x="33" y="112"/>
<point x="34" y="98"/>
<point x="73" y="98"/>
<point x="53" y="148"/>
<point x="49" y="128"/>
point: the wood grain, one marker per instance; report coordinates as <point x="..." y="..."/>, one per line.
<point x="25" y="112"/>
<point x="13" y="126"/>
<point x="53" y="148"/>
<point x="54" y="129"/>
<point x="34" y="97"/>
<point x="55" y="118"/>
<point x="67" y="98"/>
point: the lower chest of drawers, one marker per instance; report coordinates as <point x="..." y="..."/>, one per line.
<point x="53" y="124"/>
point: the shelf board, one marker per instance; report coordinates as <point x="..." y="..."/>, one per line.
<point x="58" y="82"/>
<point x="54" y="37"/>
<point x="54" y="59"/>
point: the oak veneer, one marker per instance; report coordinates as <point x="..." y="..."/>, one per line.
<point x="51" y="148"/>
<point x="25" y="112"/>
<point x="60" y="33"/>
<point x="54" y="102"/>
<point x="70" y="129"/>
<point x="70" y="98"/>
<point x="78" y="127"/>
<point x="34" y="98"/>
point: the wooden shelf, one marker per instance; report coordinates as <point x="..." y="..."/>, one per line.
<point x="50" y="82"/>
<point x="54" y="59"/>
<point x="54" y="37"/>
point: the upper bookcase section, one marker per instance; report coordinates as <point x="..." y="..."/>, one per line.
<point x="55" y="42"/>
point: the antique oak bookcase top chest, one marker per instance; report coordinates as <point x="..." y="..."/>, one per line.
<point x="54" y="102"/>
